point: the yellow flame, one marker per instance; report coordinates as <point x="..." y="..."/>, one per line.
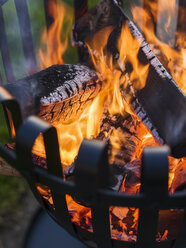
<point x="53" y="47"/>
<point x="172" y="59"/>
<point x="110" y="98"/>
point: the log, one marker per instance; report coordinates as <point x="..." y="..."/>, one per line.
<point x="119" y="158"/>
<point x="56" y="94"/>
<point x="118" y="165"/>
<point x="160" y="104"/>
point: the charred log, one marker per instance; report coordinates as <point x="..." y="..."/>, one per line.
<point x="56" y="94"/>
<point x="160" y="104"/>
<point x="119" y="159"/>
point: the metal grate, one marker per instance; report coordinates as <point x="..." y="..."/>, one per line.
<point x="91" y="178"/>
<point x="91" y="184"/>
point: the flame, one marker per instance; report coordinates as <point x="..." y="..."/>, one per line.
<point x="164" y="237"/>
<point x="173" y="59"/>
<point x="53" y="47"/>
<point x="167" y="18"/>
<point x="128" y="49"/>
<point x="110" y="100"/>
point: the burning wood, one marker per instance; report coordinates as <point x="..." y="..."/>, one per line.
<point x="58" y="93"/>
<point x="152" y="88"/>
<point x="81" y="103"/>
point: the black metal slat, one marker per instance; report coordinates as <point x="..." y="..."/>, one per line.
<point x="91" y="174"/>
<point x="155" y="188"/>
<point x="25" y="140"/>
<point x="12" y="112"/>
<point x="55" y="168"/>
<point x="26" y="35"/>
<point x="100" y="211"/>
<point x="5" y="50"/>
<point x="176" y="201"/>
<point x="58" y="184"/>
<point x="110" y="198"/>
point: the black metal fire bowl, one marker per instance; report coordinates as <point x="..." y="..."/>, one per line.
<point x="91" y="183"/>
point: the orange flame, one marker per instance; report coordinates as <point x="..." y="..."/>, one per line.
<point x="172" y="59"/>
<point x="111" y="99"/>
<point x="54" y="47"/>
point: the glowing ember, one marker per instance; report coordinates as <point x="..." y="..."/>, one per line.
<point x="110" y="100"/>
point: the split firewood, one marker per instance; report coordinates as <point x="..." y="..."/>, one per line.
<point x="160" y="103"/>
<point x="57" y="94"/>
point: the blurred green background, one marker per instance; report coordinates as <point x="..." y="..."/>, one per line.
<point x="12" y="190"/>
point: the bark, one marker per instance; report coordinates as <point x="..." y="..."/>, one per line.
<point x="160" y="104"/>
<point x="56" y="94"/>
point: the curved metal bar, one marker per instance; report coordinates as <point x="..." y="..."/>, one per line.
<point x="91" y="174"/>
<point x="154" y="186"/>
<point x="12" y="112"/>
<point x="25" y="140"/>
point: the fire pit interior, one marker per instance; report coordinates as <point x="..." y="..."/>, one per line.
<point x="105" y="155"/>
